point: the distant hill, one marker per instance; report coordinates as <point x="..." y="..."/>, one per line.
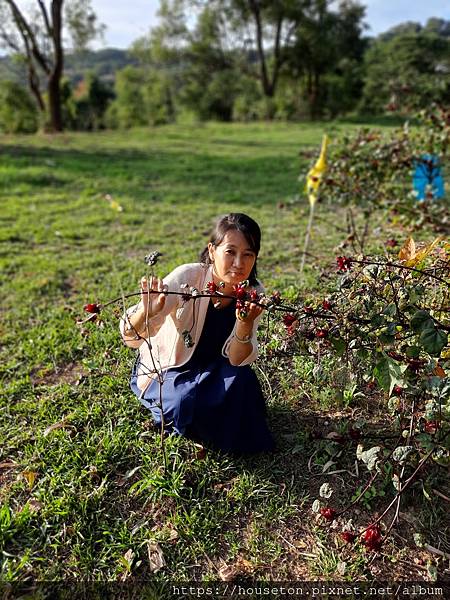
<point x="103" y="63"/>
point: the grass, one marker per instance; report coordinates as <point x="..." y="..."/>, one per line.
<point x="81" y="473"/>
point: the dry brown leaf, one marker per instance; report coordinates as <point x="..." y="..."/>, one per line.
<point x="439" y="371"/>
<point x="35" y="505"/>
<point x="408" y="250"/>
<point x="422" y="253"/>
<point x="200" y="452"/>
<point x="123" y="478"/>
<point x="244" y="566"/>
<point x="30" y="477"/>
<point x="8" y="465"/>
<point x="51" y="428"/>
<point x="155" y="557"/>
<point x="127" y="561"/>
<point x="227" y="573"/>
<point x="226" y="486"/>
<point x="173" y="533"/>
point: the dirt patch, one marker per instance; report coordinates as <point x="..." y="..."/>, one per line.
<point x="72" y="373"/>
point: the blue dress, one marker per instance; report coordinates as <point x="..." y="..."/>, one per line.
<point x="208" y="399"/>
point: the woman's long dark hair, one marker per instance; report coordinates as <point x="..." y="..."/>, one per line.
<point x="238" y="222"/>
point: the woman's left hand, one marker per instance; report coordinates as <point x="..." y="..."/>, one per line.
<point x="249" y="313"/>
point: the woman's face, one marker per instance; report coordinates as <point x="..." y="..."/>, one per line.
<point x="233" y="258"/>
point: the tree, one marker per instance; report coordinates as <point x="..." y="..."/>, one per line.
<point x="327" y="53"/>
<point x="254" y="33"/>
<point x="129" y="106"/>
<point x="265" y="28"/>
<point x="210" y="82"/>
<point x="407" y="71"/>
<point x="37" y="35"/>
<point x="90" y="101"/>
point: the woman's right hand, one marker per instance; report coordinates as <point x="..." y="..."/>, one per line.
<point x="152" y="303"/>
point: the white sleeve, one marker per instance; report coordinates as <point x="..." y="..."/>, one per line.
<point x="173" y="281"/>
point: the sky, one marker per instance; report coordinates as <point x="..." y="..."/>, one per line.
<point x="126" y="21"/>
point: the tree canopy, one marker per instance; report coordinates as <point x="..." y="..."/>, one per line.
<point x="35" y="33"/>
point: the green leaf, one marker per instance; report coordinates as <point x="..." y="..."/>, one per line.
<point x="426" y="441"/>
<point x="377" y="321"/>
<point x="433" y="340"/>
<point x="413" y="352"/>
<point x="390" y="310"/>
<point x="339" y="345"/>
<point x="421" y="321"/>
<point x="389" y="373"/>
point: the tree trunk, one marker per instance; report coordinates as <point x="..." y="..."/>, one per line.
<point x="54" y="103"/>
<point x="54" y="80"/>
<point x="268" y="83"/>
<point x="33" y="82"/>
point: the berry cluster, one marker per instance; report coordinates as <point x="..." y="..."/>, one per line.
<point x="344" y="263"/>
<point x="371" y="537"/>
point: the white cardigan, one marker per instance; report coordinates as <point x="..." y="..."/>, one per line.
<point x="166" y="340"/>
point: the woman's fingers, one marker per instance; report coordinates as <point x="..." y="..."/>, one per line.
<point x="155" y="301"/>
<point x="143" y="282"/>
<point x="251" y="311"/>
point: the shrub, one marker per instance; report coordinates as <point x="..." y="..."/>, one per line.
<point x="18" y="112"/>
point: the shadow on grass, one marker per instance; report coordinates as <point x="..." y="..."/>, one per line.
<point x="177" y="173"/>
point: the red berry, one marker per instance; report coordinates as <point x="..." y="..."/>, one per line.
<point x="348" y="536"/>
<point x="343" y="263"/>
<point x="211" y="287"/>
<point x="397" y="391"/>
<point x="321" y="333"/>
<point x="326" y="305"/>
<point x="92" y="308"/>
<point x="328" y="513"/>
<point x="308" y="309"/>
<point x="430" y="426"/>
<point x="372" y="537"/>
<point x="289" y="319"/>
<point x="239" y="292"/>
<point x="254" y="296"/>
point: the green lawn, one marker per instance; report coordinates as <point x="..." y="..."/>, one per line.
<point x="87" y="498"/>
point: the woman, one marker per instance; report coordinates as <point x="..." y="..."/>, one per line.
<point x="204" y="347"/>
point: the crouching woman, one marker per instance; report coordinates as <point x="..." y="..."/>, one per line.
<point x="203" y="348"/>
